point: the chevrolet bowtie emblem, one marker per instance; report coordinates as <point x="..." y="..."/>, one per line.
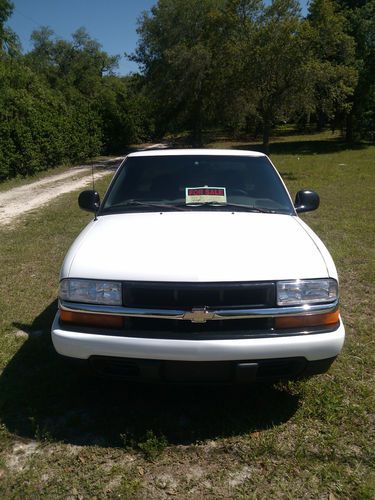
<point x="199" y="315"/>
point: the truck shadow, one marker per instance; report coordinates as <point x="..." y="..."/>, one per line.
<point x="43" y="398"/>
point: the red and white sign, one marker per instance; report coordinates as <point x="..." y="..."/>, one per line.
<point x="205" y="194"/>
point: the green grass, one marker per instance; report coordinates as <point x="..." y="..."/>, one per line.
<point x="63" y="434"/>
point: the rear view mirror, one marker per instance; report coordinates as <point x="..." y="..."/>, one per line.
<point x="306" y="201"/>
<point x="89" y="200"/>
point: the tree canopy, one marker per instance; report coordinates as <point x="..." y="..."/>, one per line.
<point x="235" y="65"/>
<point x="60" y="102"/>
<point x="215" y="61"/>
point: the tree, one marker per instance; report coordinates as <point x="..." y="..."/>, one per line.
<point x="121" y="113"/>
<point x="39" y="128"/>
<point x="80" y="63"/>
<point x="9" y="42"/>
<point x="274" y="54"/>
<point x="332" y="65"/>
<point x="360" y="16"/>
<point x="52" y="107"/>
<point x="236" y="96"/>
<point x="203" y="60"/>
<point x="295" y="66"/>
<point x="84" y="73"/>
<point x="177" y="55"/>
<point x="61" y="102"/>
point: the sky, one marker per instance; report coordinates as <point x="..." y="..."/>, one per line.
<point x="112" y="22"/>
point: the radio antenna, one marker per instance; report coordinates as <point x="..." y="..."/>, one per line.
<point x="93" y="184"/>
<point x="92" y="175"/>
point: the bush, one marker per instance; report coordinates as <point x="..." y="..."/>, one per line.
<point x="39" y="127"/>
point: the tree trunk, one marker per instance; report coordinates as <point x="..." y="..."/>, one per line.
<point x="320" y="121"/>
<point x="266" y="137"/>
<point x="197" y="122"/>
<point x="197" y="128"/>
<point x="197" y="135"/>
<point x="349" y="134"/>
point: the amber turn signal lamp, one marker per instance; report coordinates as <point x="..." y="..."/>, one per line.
<point x="304" y="321"/>
<point x="80" y="318"/>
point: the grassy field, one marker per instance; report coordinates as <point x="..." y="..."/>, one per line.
<point x="64" y="435"/>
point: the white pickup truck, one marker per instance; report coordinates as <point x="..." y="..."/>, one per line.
<point x="197" y="268"/>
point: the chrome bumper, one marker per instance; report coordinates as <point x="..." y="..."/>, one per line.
<point x="200" y="315"/>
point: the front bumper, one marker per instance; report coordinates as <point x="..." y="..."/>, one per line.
<point x="312" y="347"/>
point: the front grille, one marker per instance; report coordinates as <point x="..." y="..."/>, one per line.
<point x="179" y="329"/>
<point x="209" y="326"/>
<point x="189" y="295"/>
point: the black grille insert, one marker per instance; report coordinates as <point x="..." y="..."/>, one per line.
<point x="179" y="329"/>
<point x="188" y="295"/>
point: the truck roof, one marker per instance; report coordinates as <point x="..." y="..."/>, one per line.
<point x="188" y="152"/>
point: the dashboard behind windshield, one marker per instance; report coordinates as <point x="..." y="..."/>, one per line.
<point x="146" y="180"/>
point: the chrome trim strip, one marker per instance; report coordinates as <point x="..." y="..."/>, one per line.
<point x="199" y="315"/>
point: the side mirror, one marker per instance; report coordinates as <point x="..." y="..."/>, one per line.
<point x="306" y="201"/>
<point x="89" y="201"/>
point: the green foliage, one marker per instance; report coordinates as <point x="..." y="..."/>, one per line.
<point x="241" y="63"/>
<point x="38" y="128"/>
<point x="116" y="103"/>
<point x="275" y="53"/>
<point x="79" y="63"/>
<point x="333" y="73"/>
<point x="9" y="42"/>
<point x="178" y="54"/>
<point x="360" y="25"/>
<point x="151" y="445"/>
<point x="61" y="103"/>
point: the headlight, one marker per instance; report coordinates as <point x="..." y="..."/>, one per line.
<point x="300" y="292"/>
<point x="91" y="291"/>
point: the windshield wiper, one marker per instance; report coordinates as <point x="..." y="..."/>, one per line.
<point x="248" y="208"/>
<point x="182" y="206"/>
<point x="148" y="204"/>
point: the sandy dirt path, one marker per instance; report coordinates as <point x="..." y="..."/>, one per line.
<point x="19" y="200"/>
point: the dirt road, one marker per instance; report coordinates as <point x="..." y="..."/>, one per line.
<point x="19" y="200"/>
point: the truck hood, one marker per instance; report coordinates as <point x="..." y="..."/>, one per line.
<point x="204" y="246"/>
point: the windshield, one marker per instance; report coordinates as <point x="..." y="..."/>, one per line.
<point x="191" y="182"/>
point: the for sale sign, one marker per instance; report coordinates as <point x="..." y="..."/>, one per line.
<point x="205" y="194"/>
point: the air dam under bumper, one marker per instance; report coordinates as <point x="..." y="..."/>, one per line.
<point x="312" y="347"/>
